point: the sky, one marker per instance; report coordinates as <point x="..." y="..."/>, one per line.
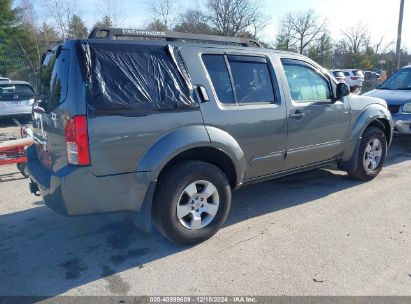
<point x="381" y="16"/>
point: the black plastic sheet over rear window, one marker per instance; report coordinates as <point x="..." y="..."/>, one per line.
<point x="132" y="79"/>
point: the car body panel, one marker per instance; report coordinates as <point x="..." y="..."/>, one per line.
<point x="129" y="152"/>
<point x="364" y="111"/>
<point x="248" y="124"/>
<point x="321" y="133"/>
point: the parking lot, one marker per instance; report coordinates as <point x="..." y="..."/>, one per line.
<point x="317" y="233"/>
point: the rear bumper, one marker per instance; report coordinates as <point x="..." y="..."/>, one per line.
<point x="76" y="191"/>
<point x="402" y="123"/>
<point x="15" y="111"/>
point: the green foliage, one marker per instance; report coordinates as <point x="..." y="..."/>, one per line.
<point x="18" y="54"/>
<point x="157" y="25"/>
<point x="322" y="50"/>
<point x="77" y="29"/>
<point x="105" y="22"/>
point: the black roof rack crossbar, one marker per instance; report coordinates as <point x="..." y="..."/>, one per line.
<point x="117" y="33"/>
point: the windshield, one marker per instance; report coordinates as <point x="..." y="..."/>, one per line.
<point x="15" y="92"/>
<point x="401" y="80"/>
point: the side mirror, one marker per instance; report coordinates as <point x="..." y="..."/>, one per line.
<point x="343" y="90"/>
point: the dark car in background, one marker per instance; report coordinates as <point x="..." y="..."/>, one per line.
<point x="16" y="98"/>
<point x="396" y="91"/>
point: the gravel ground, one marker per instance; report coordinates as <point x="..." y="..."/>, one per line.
<point x="316" y="233"/>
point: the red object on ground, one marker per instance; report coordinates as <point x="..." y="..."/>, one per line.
<point x="14" y="151"/>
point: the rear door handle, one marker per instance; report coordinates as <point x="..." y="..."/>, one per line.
<point x="297" y="115"/>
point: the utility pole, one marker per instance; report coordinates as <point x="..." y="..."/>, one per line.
<point x="399" y="34"/>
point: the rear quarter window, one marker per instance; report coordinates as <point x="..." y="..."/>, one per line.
<point x="53" y="82"/>
<point x="128" y="79"/>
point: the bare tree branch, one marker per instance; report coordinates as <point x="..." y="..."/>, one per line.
<point x="61" y="11"/>
<point x="111" y="12"/>
<point x="357" y="38"/>
<point x="164" y="11"/>
<point x="302" y="29"/>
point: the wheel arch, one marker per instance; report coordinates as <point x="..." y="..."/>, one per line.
<point x="375" y="115"/>
<point x="210" y="155"/>
<point x="193" y="143"/>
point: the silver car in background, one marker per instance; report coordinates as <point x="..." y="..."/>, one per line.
<point x="16" y="98"/>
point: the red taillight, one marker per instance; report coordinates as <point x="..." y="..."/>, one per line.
<point x="77" y="141"/>
<point x="355" y="78"/>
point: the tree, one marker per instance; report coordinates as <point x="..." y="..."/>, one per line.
<point x="111" y="11"/>
<point x="284" y="40"/>
<point x="77" y="28"/>
<point x="156" y="25"/>
<point x="233" y="17"/>
<point x="357" y="38"/>
<point x="104" y="22"/>
<point x="18" y="55"/>
<point x="322" y="50"/>
<point x="302" y="28"/>
<point x="61" y="12"/>
<point x="163" y="12"/>
<point x="194" y="21"/>
<point x="48" y="37"/>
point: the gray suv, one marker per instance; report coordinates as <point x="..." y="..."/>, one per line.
<point x="165" y="125"/>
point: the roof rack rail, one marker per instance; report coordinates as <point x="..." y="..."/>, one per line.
<point x="119" y="33"/>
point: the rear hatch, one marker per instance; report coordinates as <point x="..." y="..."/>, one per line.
<point x="48" y="113"/>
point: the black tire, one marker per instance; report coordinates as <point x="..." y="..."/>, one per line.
<point x="170" y="188"/>
<point x="360" y="171"/>
<point x="22" y="167"/>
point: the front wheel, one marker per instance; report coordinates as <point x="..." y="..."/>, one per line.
<point x="371" y="155"/>
<point x="191" y="202"/>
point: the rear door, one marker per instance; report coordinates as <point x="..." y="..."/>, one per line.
<point x="317" y="125"/>
<point x="245" y="101"/>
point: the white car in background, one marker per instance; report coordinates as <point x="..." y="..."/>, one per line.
<point x="338" y="75"/>
<point x="354" y="78"/>
<point x="16" y="98"/>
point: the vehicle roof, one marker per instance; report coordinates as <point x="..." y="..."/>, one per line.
<point x="406" y="67"/>
<point x="185" y="44"/>
<point x="12" y="82"/>
<point x="72" y="43"/>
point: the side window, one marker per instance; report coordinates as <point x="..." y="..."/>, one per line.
<point x="218" y="72"/>
<point x="54" y="78"/>
<point x="305" y="83"/>
<point x="252" y="79"/>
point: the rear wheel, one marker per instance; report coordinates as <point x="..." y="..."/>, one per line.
<point x="371" y="154"/>
<point x="191" y="202"/>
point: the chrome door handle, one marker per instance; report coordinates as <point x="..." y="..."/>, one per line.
<point x="297" y="115"/>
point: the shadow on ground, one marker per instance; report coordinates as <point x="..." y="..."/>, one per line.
<point x="43" y="253"/>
